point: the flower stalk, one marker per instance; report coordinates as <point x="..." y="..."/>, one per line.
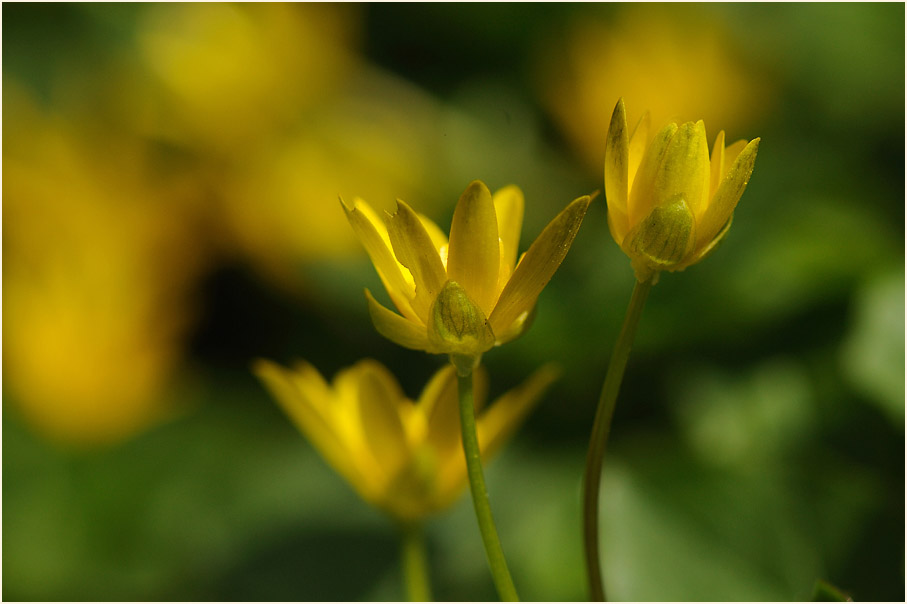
<point x="601" y="428"/>
<point x="415" y="563"/>
<point x="495" y="554"/>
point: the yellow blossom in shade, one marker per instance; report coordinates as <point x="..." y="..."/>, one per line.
<point x="98" y="260"/>
<point x="233" y="72"/>
<point x="402" y="456"/>
<point x="463" y="295"/>
<point x="669" y="205"/>
<point x="680" y="61"/>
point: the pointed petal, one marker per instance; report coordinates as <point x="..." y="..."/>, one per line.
<point x="638" y="141"/>
<point x="503" y="417"/>
<point x="708" y="247"/>
<point x="716" y="164"/>
<point x="538" y="265"/>
<point x="617" y="162"/>
<point x="517" y="328"/>
<point x="373" y="234"/>
<point x="685" y="170"/>
<point x="731" y="153"/>
<point x="379" y="399"/>
<point x="395" y="328"/>
<point x="297" y="404"/>
<point x="414" y="249"/>
<point x="385" y="380"/>
<point x="619" y="223"/>
<point x="728" y="194"/>
<point x="642" y="194"/>
<point x="474" y="255"/>
<point x="441" y="381"/>
<point x="508" y="205"/>
<point x="437" y="236"/>
<point x="439" y="400"/>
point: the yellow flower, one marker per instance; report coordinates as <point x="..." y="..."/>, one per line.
<point x="402" y="456"/>
<point x="97" y="267"/>
<point x="649" y="55"/>
<point x="668" y="204"/>
<point x="463" y="296"/>
<point x="234" y="74"/>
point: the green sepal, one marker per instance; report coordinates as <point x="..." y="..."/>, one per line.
<point x="456" y="324"/>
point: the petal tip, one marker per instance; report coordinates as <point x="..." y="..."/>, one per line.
<point x="263" y="366"/>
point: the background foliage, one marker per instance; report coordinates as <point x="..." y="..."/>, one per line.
<point x="170" y="214"/>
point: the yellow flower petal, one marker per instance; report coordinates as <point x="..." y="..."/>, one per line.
<point x="538" y="265"/>
<point x="638" y="141"/>
<point x="373" y="235"/>
<point x="717" y="164"/>
<point x="474" y="255"/>
<point x="437" y="236"/>
<point x="379" y="397"/>
<point x="439" y="400"/>
<point x="642" y="194"/>
<point x="517" y="328"/>
<point x="685" y="170"/>
<point x="303" y="411"/>
<point x="617" y="168"/>
<point x="730" y="154"/>
<point x="728" y="194"/>
<point x="508" y="205"/>
<point x="388" y="386"/>
<point x="414" y="249"/>
<point x="441" y="382"/>
<point x="707" y="247"/>
<point x="619" y="223"/>
<point x="397" y="329"/>
<point x="504" y="415"/>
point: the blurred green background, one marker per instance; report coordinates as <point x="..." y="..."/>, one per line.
<point x="170" y="213"/>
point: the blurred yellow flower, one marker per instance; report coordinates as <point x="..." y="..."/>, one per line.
<point x="234" y="72"/>
<point x="668" y="204"/>
<point x="280" y="201"/>
<point x="402" y="456"/>
<point x="462" y="296"/>
<point x="681" y="62"/>
<point x="96" y="264"/>
<point x="282" y="115"/>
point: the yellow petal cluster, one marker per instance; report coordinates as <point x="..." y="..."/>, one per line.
<point x="648" y="56"/>
<point x="402" y="456"/>
<point x="669" y="204"/>
<point x="462" y="295"/>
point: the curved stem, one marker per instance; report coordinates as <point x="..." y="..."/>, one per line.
<point x="599" y="439"/>
<point x="415" y="564"/>
<point x="493" y="550"/>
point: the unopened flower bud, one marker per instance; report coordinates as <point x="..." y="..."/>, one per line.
<point x="663" y="239"/>
<point x="457" y="325"/>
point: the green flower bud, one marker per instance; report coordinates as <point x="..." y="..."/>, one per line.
<point x="457" y="325"/>
<point x="664" y="237"/>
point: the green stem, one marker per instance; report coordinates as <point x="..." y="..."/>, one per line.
<point x="600" y="430"/>
<point x="415" y="564"/>
<point x="493" y="551"/>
